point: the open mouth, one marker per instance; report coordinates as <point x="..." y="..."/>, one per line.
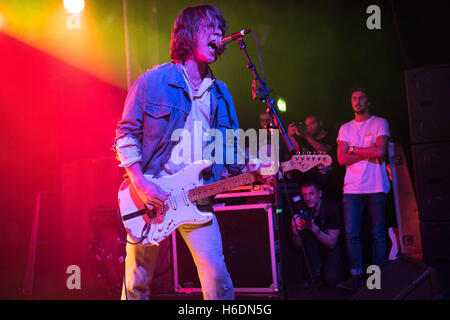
<point x="212" y="45"/>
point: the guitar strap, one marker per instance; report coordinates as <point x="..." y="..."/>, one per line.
<point x="133" y="215"/>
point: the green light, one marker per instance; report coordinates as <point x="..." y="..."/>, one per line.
<point x="281" y="104"/>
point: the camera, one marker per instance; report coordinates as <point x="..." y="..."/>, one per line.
<point x="304" y="214"/>
<point x="301" y="127"/>
<point x="301" y="210"/>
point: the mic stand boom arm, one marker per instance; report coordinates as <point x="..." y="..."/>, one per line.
<point x="274" y="115"/>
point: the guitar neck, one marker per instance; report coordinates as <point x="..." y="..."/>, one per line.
<point x="228" y="184"/>
<point x="299" y="162"/>
<point x="215" y="188"/>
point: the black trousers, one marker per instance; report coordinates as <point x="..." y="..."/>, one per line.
<point x="326" y="264"/>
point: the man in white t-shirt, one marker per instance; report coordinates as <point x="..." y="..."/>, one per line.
<point x="362" y="147"/>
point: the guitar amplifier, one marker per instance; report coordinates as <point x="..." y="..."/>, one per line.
<point x="248" y="194"/>
<point x="249" y="240"/>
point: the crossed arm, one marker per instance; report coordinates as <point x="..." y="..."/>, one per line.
<point x="378" y="151"/>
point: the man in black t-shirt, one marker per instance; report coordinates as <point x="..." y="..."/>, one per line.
<point x="320" y="235"/>
<point x="312" y="137"/>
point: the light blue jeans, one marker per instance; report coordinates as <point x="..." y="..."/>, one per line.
<point x="354" y="206"/>
<point x="205" y="244"/>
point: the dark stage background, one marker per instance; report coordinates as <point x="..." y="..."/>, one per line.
<point x="62" y="93"/>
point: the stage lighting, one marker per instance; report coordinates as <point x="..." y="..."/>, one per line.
<point x="281" y="104"/>
<point x="74" y="6"/>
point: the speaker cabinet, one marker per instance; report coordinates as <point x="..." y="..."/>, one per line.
<point x="432" y="181"/>
<point x="249" y="249"/>
<point x="428" y="91"/>
<point x="403" y="279"/>
<point x="436" y="239"/>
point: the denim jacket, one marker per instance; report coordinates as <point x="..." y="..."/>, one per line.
<point x="157" y="104"/>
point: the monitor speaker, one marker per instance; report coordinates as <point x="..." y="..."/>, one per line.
<point x="403" y="279"/>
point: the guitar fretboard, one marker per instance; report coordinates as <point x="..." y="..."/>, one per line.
<point x="299" y="162"/>
<point x="221" y="186"/>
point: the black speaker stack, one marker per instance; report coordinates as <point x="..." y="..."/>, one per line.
<point x="428" y="93"/>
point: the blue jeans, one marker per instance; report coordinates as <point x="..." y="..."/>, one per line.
<point x="354" y="206"/>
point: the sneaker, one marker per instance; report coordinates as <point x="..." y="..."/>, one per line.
<point x="353" y="283"/>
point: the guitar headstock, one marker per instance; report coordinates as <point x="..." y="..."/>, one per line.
<point x="304" y="162"/>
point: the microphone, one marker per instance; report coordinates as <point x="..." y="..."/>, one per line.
<point x="234" y="36"/>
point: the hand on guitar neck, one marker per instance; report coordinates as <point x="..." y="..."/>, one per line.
<point x="264" y="171"/>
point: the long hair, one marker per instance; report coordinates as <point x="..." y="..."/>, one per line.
<point x="186" y="27"/>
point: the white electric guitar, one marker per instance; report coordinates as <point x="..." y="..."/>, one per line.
<point x="151" y="226"/>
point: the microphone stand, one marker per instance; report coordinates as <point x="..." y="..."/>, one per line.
<point x="279" y="125"/>
<point x="275" y="119"/>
